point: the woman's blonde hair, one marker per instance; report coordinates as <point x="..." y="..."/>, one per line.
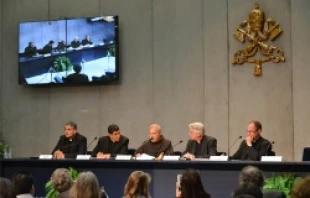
<point x="61" y="180"/>
<point x="86" y="186"/>
<point x="137" y="185"/>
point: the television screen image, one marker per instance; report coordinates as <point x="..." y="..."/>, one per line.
<point x="71" y="51"/>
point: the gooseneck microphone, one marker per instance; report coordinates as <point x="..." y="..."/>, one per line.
<point x="91" y="143"/>
<point x="269" y="145"/>
<point x="240" y="137"/>
<point x="179" y="142"/>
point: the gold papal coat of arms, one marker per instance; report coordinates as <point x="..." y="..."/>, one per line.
<point x="257" y="31"/>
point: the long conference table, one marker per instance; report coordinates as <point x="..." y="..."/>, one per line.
<point x="219" y="178"/>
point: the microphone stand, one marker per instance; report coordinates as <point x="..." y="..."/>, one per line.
<point x="233" y="144"/>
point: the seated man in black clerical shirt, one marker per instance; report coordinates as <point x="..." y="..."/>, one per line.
<point x="61" y="46"/>
<point x="70" y="144"/>
<point x="156" y="145"/>
<point x="31" y="49"/>
<point x="87" y="41"/>
<point x="254" y="146"/>
<point x="112" y="144"/>
<point x="199" y="145"/>
<point x="48" y="48"/>
<point x="76" y="77"/>
<point x="75" y="43"/>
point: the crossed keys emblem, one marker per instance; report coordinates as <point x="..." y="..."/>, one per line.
<point x="258" y="31"/>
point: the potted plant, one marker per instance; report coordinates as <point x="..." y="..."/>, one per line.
<point x="62" y="64"/>
<point x="282" y="183"/>
<point x="111" y="50"/>
<point x="51" y="192"/>
<point x="3" y="146"/>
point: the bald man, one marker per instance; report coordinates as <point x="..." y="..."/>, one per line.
<point x="156" y="145"/>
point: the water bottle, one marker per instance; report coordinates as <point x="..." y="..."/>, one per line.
<point x="7" y="152"/>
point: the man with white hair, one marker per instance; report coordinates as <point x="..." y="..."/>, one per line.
<point x="199" y="145"/>
<point x="156" y="145"/>
<point x="75" y="43"/>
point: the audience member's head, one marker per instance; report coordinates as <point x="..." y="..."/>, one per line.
<point x="86" y="186"/>
<point x="61" y="180"/>
<point x="191" y="185"/>
<point x="23" y="183"/>
<point x="196" y="131"/>
<point x="301" y="189"/>
<point x="137" y="185"/>
<point x="77" y="68"/>
<point x="155" y="132"/>
<point x="251" y="175"/>
<point x="114" y="133"/>
<point x="248" y="190"/>
<point x="6" y="188"/>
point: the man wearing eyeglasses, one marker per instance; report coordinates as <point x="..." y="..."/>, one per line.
<point x="254" y="146"/>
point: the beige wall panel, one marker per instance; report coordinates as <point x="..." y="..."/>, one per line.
<point x="215" y="56"/>
<point x="25" y="110"/>
<point x="178" y="67"/>
<point x="269" y="98"/>
<point x="130" y="103"/>
<point x="301" y="80"/>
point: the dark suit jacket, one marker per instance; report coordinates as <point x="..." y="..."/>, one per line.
<point x="258" y="149"/>
<point x="86" y="42"/>
<point x="208" y="146"/>
<point x="76" y="78"/>
<point x="273" y="194"/>
<point x="103" y="146"/>
<point x="78" y="145"/>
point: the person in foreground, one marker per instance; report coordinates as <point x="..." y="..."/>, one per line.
<point x="112" y="144"/>
<point x="254" y="146"/>
<point x="301" y="189"/>
<point x="6" y="188"/>
<point x="86" y="186"/>
<point x="62" y="182"/>
<point x="253" y="175"/>
<point x="248" y="191"/>
<point x="76" y="77"/>
<point x="70" y="144"/>
<point x="23" y="183"/>
<point x="156" y="145"/>
<point x="199" y="144"/>
<point x="137" y="185"/>
<point x="190" y="186"/>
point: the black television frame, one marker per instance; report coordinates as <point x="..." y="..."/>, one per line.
<point x="115" y="80"/>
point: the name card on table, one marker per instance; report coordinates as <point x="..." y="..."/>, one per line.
<point x="123" y="157"/>
<point x="83" y="157"/>
<point x="145" y="157"/>
<point x="271" y="159"/>
<point x="218" y="158"/>
<point x="171" y="158"/>
<point x="45" y="156"/>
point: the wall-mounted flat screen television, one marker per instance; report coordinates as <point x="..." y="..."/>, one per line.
<point x="69" y="51"/>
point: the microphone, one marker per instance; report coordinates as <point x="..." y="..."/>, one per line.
<point x="179" y="142"/>
<point x="240" y="137"/>
<point x="269" y="145"/>
<point x="91" y="143"/>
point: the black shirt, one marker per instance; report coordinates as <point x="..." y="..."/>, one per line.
<point x="198" y="149"/>
<point x="72" y="147"/>
<point x="105" y="145"/>
<point x="260" y="147"/>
